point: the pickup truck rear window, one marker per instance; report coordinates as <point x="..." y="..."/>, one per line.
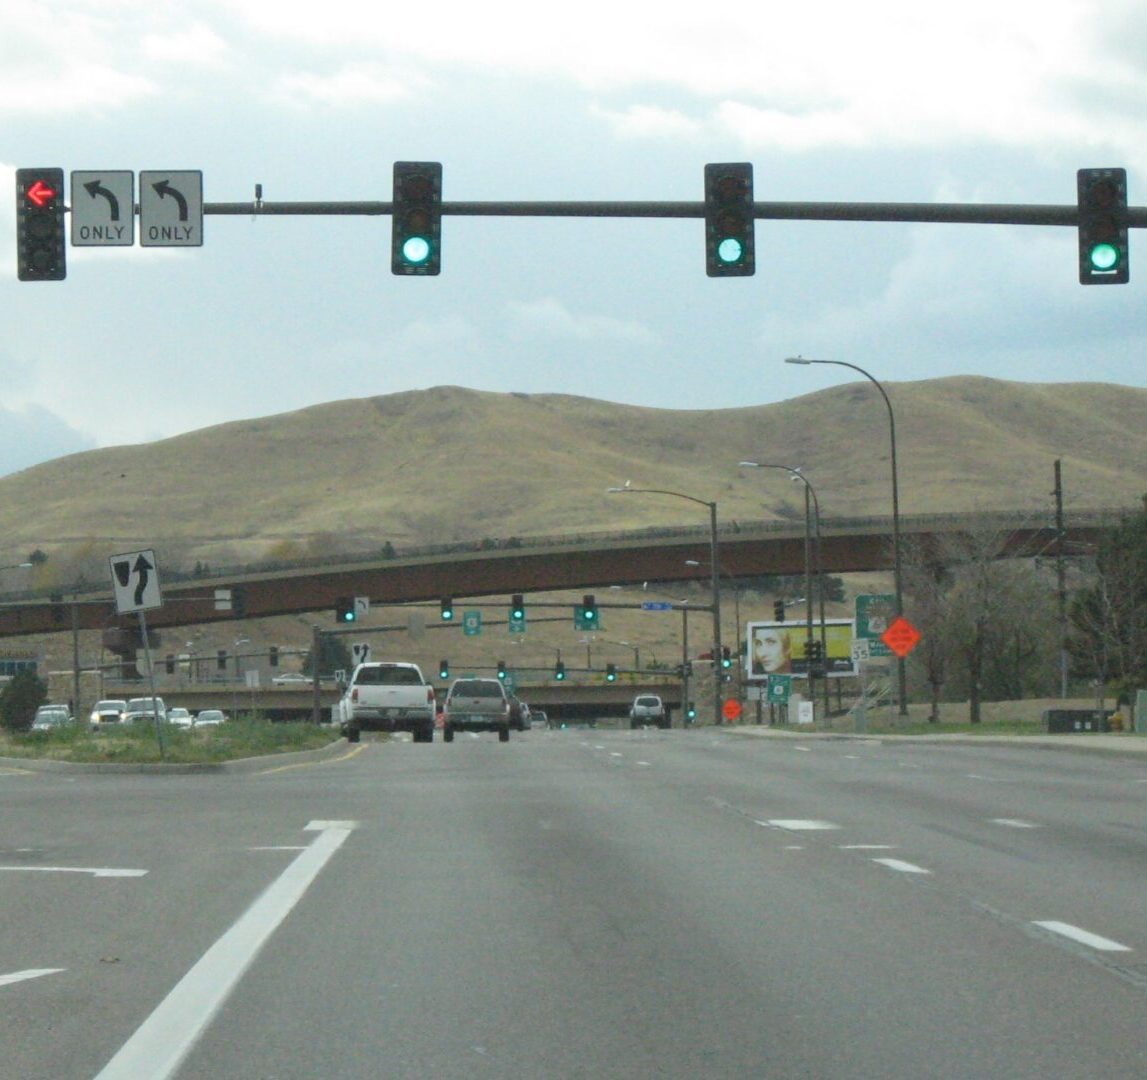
<point x="477" y="688"/>
<point x="388" y="676"/>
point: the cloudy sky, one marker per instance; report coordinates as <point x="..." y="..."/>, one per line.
<point x="995" y="101"/>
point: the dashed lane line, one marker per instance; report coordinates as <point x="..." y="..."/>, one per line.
<point x="30" y="973"/>
<point x="1083" y="937"/>
<point x="902" y="866"/>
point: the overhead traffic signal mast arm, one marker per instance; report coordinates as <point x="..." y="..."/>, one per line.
<point x="951" y="213"/>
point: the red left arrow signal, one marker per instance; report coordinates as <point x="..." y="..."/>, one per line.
<point x="40" y="193"/>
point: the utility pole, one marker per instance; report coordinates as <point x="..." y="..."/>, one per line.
<point x="1061" y="580"/>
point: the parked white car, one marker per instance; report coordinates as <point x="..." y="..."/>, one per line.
<point x="180" y="717"/>
<point x="210" y="718"/>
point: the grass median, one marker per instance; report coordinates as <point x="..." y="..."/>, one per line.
<point x="138" y="744"/>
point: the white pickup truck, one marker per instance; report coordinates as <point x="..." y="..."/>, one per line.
<point x="387" y="697"/>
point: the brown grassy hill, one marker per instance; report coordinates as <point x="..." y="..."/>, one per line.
<point x="454" y="464"/>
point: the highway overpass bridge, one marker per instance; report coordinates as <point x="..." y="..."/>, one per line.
<point x="540" y="565"/>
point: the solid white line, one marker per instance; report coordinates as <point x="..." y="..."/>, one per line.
<point x="30" y="973"/>
<point x="1084" y="937"/>
<point x="165" y="1038"/>
<point x="1013" y="823"/>
<point x="94" y="871"/>
<point x="867" y="847"/>
<point x="797" y="824"/>
<point x="903" y="867"/>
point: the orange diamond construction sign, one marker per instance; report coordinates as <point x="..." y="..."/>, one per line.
<point x="901" y="636"/>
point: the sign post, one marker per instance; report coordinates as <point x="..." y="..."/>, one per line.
<point x="135" y="581"/>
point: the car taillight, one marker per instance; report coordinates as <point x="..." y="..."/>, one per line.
<point x="354" y="694"/>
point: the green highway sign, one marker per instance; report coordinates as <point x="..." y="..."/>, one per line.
<point x="778" y="689"/>
<point x="471" y="623"/>
<point x="874" y="613"/>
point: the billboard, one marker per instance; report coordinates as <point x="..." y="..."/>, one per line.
<point x="777" y="648"/>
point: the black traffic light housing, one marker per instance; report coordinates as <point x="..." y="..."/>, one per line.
<point x="1103" y="249"/>
<point x="589" y="610"/>
<point x="41" y="236"/>
<point x="444" y="669"/>
<point x="517" y="609"/>
<point x="239" y="602"/>
<point x="610" y="672"/>
<point x="169" y="664"/>
<point x="344" y="608"/>
<point x="729" y="247"/>
<point x="726" y="657"/>
<point x="273" y="655"/>
<point x="446" y="612"/>
<point x="502" y="669"/>
<point x="559" y="671"/>
<point x="416" y="218"/>
<point x="778" y="610"/>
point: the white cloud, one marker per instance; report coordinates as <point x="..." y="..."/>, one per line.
<point x="197" y="45"/>
<point x="550" y="318"/>
<point x="648" y="121"/>
<point x="353" y="84"/>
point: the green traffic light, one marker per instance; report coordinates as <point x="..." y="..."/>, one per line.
<point x="416" y="250"/>
<point x="730" y="250"/>
<point x="1104" y="257"/>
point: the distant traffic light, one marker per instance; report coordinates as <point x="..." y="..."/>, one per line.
<point x="444" y="669"/>
<point x="239" y="602"/>
<point x="589" y="610"/>
<point x="416" y="218"/>
<point x="1103" y="250"/>
<point x="273" y="655"/>
<point x="517" y="610"/>
<point x="447" y="609"/>
<point x="502" y="670"/>
<point x="169" y="664"/>
<point x="41" y="241"/>
<point x="691" y="712"/>
<point x="559" y="671"/>
<point x="221" y="659"/>
<point x="729" y="249"/>
<point x="610" y="672"/>
<point x="778" y="610"/>
<point x="726" y="657"/>
<point x="344" y="608"/>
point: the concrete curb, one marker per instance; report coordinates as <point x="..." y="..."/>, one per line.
<point x="239" y="765"/>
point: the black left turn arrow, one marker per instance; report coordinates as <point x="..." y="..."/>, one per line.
<point x="164" y="189"/>
<point x="95" y="187"/>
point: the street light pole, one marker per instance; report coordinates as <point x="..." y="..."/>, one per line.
<point x="896" y="562"/>
<point x="809" y="492"/>
<point x="715" y="576"/>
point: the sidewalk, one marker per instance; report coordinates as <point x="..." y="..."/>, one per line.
<point x="1125" y="743"/>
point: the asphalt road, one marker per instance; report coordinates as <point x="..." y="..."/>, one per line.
<point x="582" y="904"/>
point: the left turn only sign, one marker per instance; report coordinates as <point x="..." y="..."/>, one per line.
<point x="135" y="579"/>
<point x="171" y="208"/>
<point x="103" y="208"/>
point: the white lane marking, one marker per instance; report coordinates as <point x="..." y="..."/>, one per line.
<point x="614" y="753"/>
<point x="1084" y="937"/>
<point x="794" y="847"/>
<point x="1012" y="823"/>
<point x="797" y="824"/>
<point x="644" y="763"/>
<point x="903" y="867"/>
<point x="30" y="973"/>
<point x="279" y="847"/>
<point x="804" y="749"/>
<point x="95" y="871"/>
<point x="867" y="847"/>
<point x="164" y="1039"/>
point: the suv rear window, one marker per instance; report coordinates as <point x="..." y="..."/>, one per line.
<point x="648" y="701"/>
<point x="388" y="676"/>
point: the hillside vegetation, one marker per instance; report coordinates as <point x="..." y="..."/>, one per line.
<point x="449" y="464"/>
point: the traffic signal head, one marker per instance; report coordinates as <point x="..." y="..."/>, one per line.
<point x="501" y="669"/>
<point x="589" y="610"/>
<point x="444" y="669"/>
<point x="239" y="602"/>
<point x="610" y="672"/>
<point x="416" y="218"/>
<point x="559" y="671"/>
<point x="447" y="609"/>
<point x="344" y="608"/>
<point x="40" y="233"/>
<point x="729" y="250"/>
<point x="779" y="610"/>
<point x="273" y="655"/>
<point x="691" y="712"/>
<point x="1103" y="248"/>
<point x="517" y="609"/>
<point x="726" y="657"/>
